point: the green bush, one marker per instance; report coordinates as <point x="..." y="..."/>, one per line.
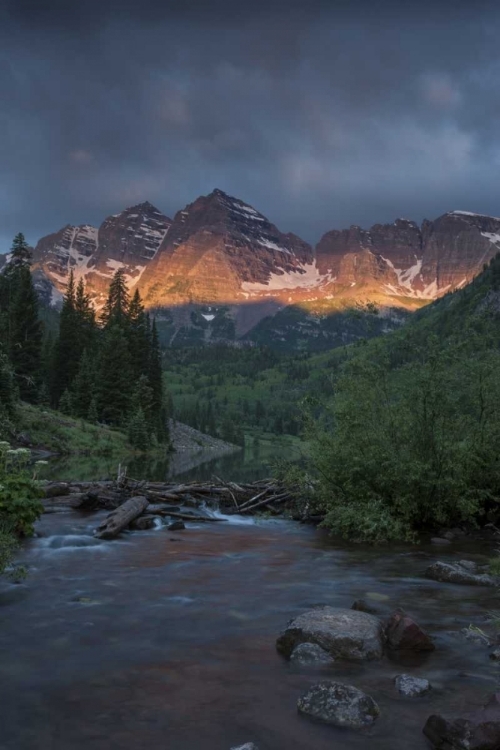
<point x="19" y="493"/>
<point x="402" y="449"/>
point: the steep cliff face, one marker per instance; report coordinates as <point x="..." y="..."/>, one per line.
<point x="215" y="247"/>
<point x="404" y="261"/>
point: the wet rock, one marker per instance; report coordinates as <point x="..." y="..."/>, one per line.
<point x="478" y="730"/>
<point x="403" y="634"/>
<point x="176" y="526"/>
<point x="495" y="654"/>
<point x="469" y="565"/>
<point x="343" y="633"/>
<point x="338" y="704"/>
<point x="246" y="746"/>
<point x="143" y="523"/>
<point x="411" y="687"/>
<point x="459" y="572"/>
<point x="440" y="540"/>
<point x="310" y="653"/>
<point x="360" y="605"/>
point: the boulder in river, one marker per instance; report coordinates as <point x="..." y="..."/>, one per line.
<point x="343" y="633"/>
<point x="411" y="687"/>
<point x="143" y="523"/>
<point x="338" y="704"/>
<point x="176" y="526"/>
<point x="403" y="634"/>
<point x="478" y="730"/>
<point x="310" y="653"/>
<point x="464" y="572"/>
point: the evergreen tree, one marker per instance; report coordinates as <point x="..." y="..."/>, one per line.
<point x="66" y="349"/>
<point x="20" y="254"/>
<point x="25" y="333"/>
<point x="114" y="383"/>
<point x="66" y="403"/>
<point x="83" y="387"/>
<point x="85" y="318"/>
<point x="138" y="432"/>
<point x="116" y="309"/>
<point x="92" y="415"/>
<point x="139" y="336"/>
<point x="155" y="376"/>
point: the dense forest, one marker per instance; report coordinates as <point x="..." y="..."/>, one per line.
<point x="105" y="370"/>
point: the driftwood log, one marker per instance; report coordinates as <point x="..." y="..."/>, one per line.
<point x="131" y="500"/>
<point x="120" y="518"/>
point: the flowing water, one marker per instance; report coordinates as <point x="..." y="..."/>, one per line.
<point x="167" y="640"/>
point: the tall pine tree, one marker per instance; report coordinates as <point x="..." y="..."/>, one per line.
<point x="24" y="328"/>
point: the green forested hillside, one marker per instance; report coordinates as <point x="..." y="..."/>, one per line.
<point x="409" y="437"/>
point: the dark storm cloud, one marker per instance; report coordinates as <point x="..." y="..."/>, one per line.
<point x="320" y="114"/>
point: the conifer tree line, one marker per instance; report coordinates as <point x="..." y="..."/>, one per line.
<point x="107" y="369"/>
<point x="21" y="331"/>
<point x="110" y="369"/>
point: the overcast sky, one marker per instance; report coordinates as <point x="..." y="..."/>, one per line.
<point x="321" y="114"/>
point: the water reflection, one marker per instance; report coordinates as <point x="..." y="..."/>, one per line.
<point x="244" y="465"/>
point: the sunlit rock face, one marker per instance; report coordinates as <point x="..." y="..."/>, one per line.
<point x="408" y="262"/>
<point x="222" y="267"/>
<point x="127" y="240"/>
<point x="217" y="247"/>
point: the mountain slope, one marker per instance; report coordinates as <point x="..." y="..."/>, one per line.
<point x="220" y="270"/>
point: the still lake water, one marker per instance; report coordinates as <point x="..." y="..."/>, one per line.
<point x="243" y="466"/>
<point x="167" y="640"/>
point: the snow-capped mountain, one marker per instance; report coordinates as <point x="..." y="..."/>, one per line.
<point x="220" y="257"/>
<point x="127" y="240"/>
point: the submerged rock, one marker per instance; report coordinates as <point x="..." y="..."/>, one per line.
<point x="310" y="653"/>
<point x="338" y="704"/>
<point x="478" y="730"/>
<point x="176" y="526"/>
<point x="143" y="523"/>
<point x="403" y="634"/>
<point x="246" y="746"/>
<point x="411" y="687"/>
<point x="343" y="633"/>
<point x="360" y="605"/>
<point x="440" y="540"/>
<point x="463" y="572"/>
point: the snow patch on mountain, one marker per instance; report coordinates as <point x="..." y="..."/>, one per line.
<point x="493" y="237"/>
<point x="306" y="277"/>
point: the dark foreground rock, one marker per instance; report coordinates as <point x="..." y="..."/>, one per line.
<point x="176" y="526"/>
<point x="310" y="653"/>
<point x="411" y="687"/>
<point x="343" y="633"/>
<point x="143" y="523"/>
<point x="464" y="571"/>
<point x="478" y="730"/>
<point x="403" y="634"/>
<point x="338" y="704"/>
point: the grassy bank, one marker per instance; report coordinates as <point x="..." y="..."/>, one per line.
<point x="44" y="429"/>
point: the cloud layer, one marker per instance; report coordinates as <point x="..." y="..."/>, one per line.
<point x="319" y="114"/>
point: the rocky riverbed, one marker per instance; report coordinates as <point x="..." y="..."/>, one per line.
<point x="168" y="638"/>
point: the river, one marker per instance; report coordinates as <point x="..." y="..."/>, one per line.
<point x="167" y="640"/>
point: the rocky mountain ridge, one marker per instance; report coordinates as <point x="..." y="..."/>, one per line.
<point x="221" y="260"/>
